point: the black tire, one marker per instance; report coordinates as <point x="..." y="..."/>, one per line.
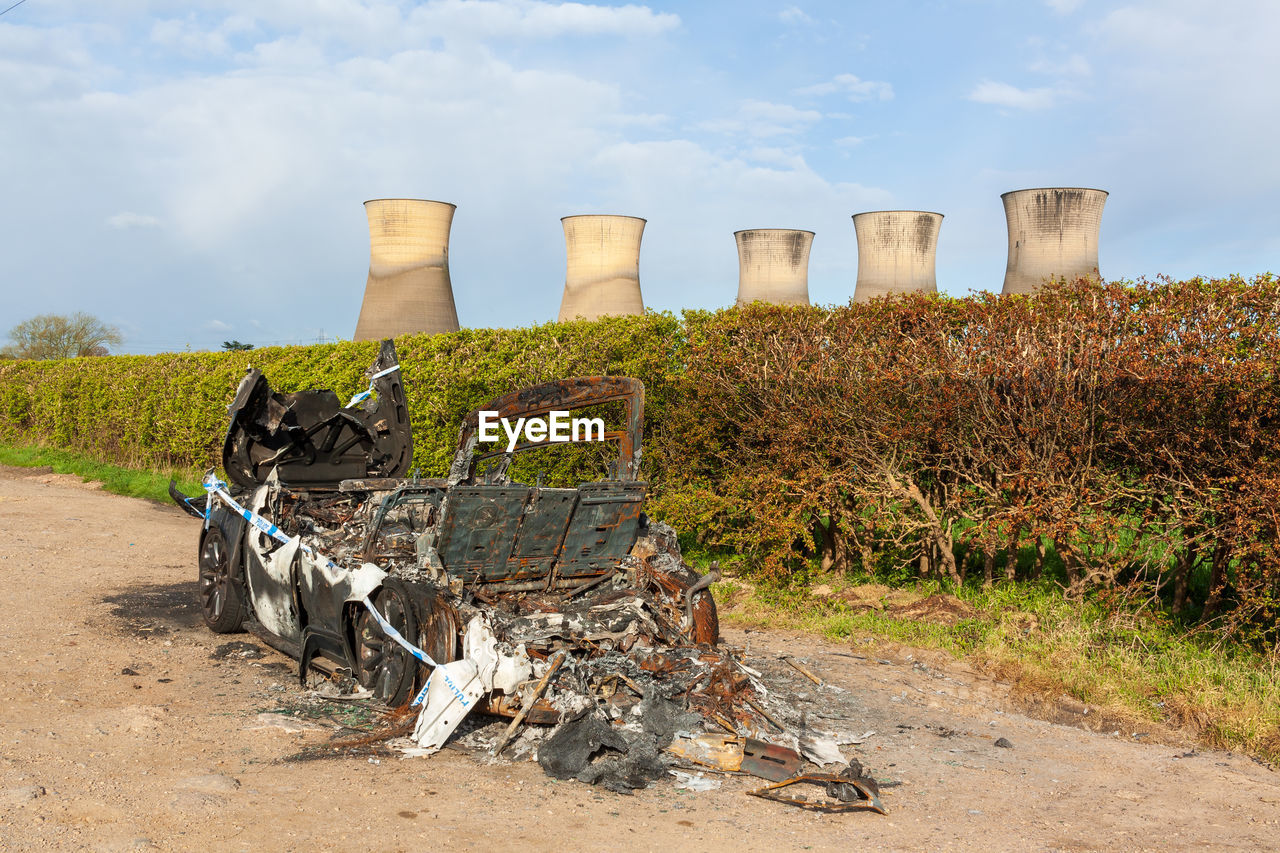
<point x="221" y="593"/>
<point x="383" y="665"/>
<point x="439" y="626"/>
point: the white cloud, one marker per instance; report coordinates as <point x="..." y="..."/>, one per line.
<point x="650" y="120"/>
<point x="780" y="157"/>
<point x="1005" y="95"/>
<point x="1201" y="79"/>
<point x="218" y="326"/>
<point x="219" y="153"/>
<point x="383" y="27"/>
<point x="794" y="15"/>
<point x="1179" y="35"/>
<point x="194" y="38"/>
<point x="1064" y="7"/>
<point x="851" y="141"/>
<point x="1074" y="65"/>
<point x="291" y="53"/>
<point x="853" y="87"/>
<point x="32" y="65"/>
<point x="128" y="219"/>
<point x="535" y="19"/>
<point x="763" y="119"/>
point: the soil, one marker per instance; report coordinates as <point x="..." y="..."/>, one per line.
<point x="126" y="724"/>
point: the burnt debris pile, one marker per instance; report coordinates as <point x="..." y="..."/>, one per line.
<point x="561" y="611"/>
<point x="623" y="683"/>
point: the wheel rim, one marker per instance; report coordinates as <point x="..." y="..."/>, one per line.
<point x="215" y="574"/>
<point x="382" y="661"/>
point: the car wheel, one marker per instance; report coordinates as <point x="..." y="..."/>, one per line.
<point x="439" y="626"/>
<point x="221" y="595"/>
<point x="382" y="664"/>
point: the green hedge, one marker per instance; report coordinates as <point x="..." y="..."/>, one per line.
<point x="170" y="410"/>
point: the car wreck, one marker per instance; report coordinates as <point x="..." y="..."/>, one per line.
<point x="560" y="608"/>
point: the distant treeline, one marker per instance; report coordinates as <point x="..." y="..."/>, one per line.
<point x="1118" y="437"/>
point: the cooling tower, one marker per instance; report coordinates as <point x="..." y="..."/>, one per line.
<point x="602" y="269"/>
<point x="773" y="266"/>
<point x="1053" y="232"/>
<point x="896" y="252"/>
<point x="408" y="288"/>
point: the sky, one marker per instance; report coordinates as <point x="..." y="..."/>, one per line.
<point x="194" y="172"/>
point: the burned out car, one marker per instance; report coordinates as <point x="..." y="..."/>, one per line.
<point x="424" y="551"/>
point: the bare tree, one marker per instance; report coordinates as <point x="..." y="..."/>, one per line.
<point x="61" y="336"/>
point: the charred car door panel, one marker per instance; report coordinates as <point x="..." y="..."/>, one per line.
<point x="478" y="531"/>
<point x="542" y="530"/>
<point x="309" y="437"/>
<point x="603" y="528"/>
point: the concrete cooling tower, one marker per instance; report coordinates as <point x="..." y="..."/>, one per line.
<point x="897" y="250"/>
<point x="602" y="267"/>
<point x="408" y="289"/>
<point x="773" y="266"/>
<point x="1053" y="232"/>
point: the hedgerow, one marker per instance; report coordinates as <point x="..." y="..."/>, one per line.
<point x="170" y="410"/>
<point x="1121" y="437"/>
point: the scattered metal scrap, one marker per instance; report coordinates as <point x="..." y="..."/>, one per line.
<point x="839" y="793"/>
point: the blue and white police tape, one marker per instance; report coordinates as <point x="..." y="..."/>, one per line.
<point x="418" y="653"/>
<point x="368" y="392"/>
<point x="203" y="513"/>
<point x="211" y="485"/>
<point x="217" y="488"/>
<point x="390" y="631"/>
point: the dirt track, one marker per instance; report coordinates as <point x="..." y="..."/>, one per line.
<point x="190" y="752"/>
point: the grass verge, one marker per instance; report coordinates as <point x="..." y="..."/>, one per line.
<point x="134" y="483"/>
<point x="1136" y="670"/>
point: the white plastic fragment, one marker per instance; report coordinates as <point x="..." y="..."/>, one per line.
<point x="455" y="688"/>
<point x="513" y="670"/>
<point x="499" y="670"/>
<point x="821" y="750"/>
<point x="481" y="648"/>
<point x="452" y="692"/>
<point x="408" y="748"/>
<point x="364" y="581"/>
<point x="847" y="739"/>
<point x="695" y="783"/>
